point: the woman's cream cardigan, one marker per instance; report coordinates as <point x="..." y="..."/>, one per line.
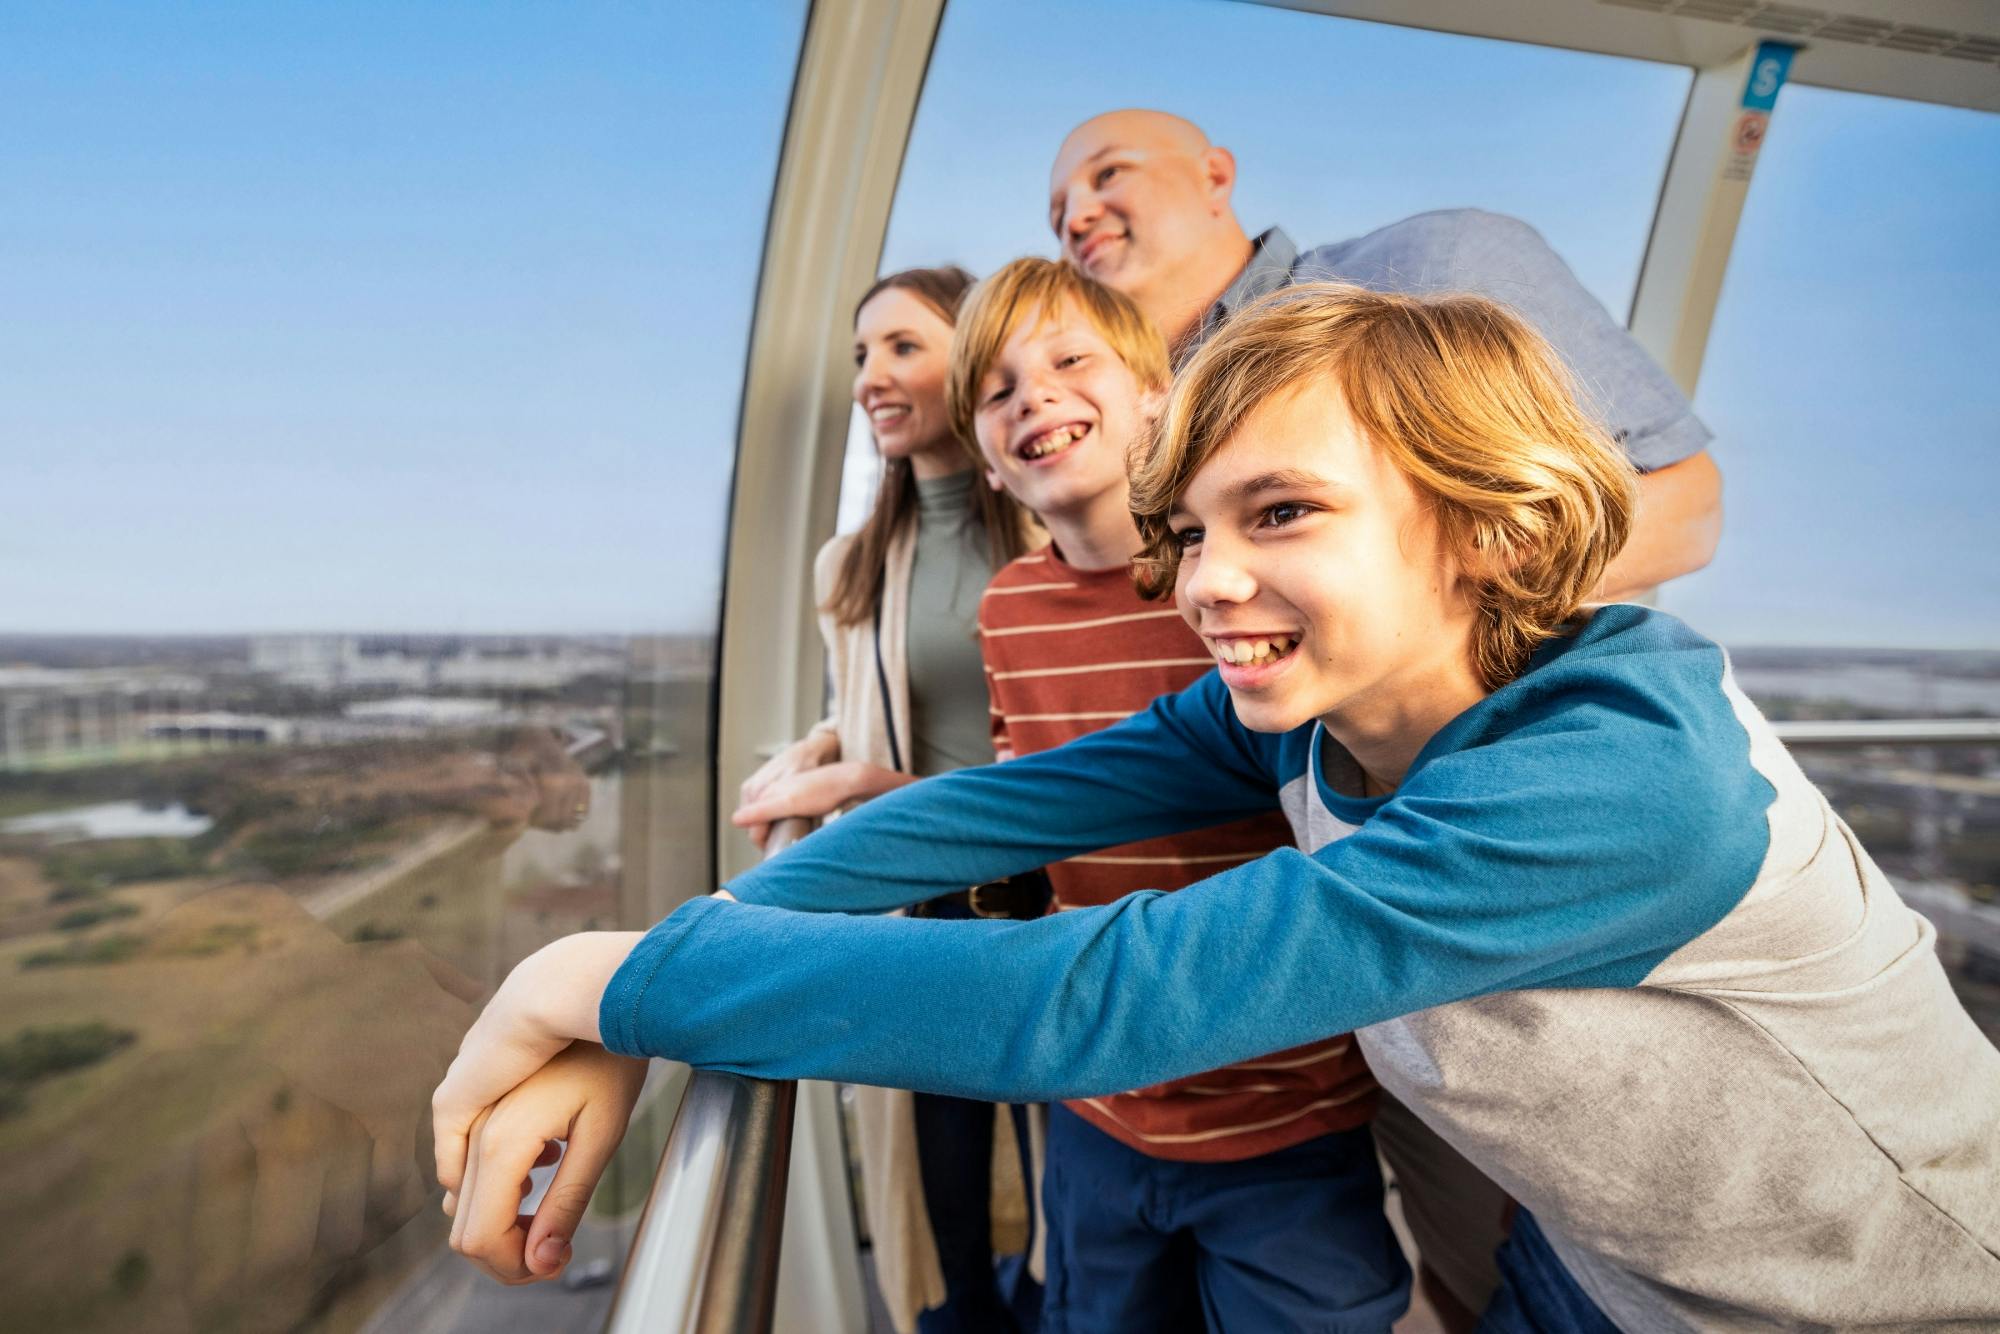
<point x="906" y="1257"/>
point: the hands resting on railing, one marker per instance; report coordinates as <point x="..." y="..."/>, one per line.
<point x="805" y="781"/>
<point x="524" y="1077"/>
<point x="530" y="1071"/>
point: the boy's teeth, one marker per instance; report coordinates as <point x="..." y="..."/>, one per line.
<point x="1246" y="651"/>
<point x="1055" y="440"/>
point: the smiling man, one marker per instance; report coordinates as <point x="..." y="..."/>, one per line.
<point x="1141" y="201"/>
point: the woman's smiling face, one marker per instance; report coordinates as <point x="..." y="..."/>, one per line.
<point x="902" y="348"/>
<point x="1312" y="568"/>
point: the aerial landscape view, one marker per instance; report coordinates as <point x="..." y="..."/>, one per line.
<point x="251" y="893"/>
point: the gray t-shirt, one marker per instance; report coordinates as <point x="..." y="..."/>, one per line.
<point x="1506" y="260"/>
<point x="950" y="727"/>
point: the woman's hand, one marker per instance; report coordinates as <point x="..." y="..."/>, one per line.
<point x="549" y="1001"/>
<point x="813" y="794"/>
<point x="584" y="1096"/>
<point x="798" y="758"/>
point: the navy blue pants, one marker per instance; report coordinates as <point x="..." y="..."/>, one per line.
<point x="1537" y="1294"/>
<point x="955" y="1159"/>
<point x="1294" y="1240"/>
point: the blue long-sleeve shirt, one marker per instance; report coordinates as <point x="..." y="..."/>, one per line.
<point x="1412" y="910"/>
<point x="1594" y="937"/>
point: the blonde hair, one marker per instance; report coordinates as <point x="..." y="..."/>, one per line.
<point x="1531" y="496"/>
<point x="1038" y="287"/>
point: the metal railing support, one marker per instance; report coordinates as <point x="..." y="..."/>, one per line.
<point x="705" y="1258"/>
<point x="1850" y="732"/>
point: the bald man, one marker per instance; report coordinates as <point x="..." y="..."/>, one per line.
<point x="1141" y="201"/>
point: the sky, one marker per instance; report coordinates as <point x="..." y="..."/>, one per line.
<point x="393" y="316"/>
<point x="432" y="316"/>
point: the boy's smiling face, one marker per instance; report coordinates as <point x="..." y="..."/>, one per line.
<point x="1056" y="412"/>
<point x="1312" y="568"/>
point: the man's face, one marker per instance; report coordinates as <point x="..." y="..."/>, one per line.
<point x="1131" y="198"/>
<point x="1312" y="569"/>
<point x="1056" y="411"/>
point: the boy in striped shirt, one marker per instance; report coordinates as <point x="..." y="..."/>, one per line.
<point x="1160" y="1201"/>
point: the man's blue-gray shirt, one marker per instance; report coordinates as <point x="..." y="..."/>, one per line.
<point x="1506" y="260"/>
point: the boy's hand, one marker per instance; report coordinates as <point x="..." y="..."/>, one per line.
<point x="547" y="1002"/>
<point x="584" y="1096"/>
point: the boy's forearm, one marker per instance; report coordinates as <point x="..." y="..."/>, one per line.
<point x="570" y="980"/>
<point x="984" y="1010"/>
<point x="1087" y="1002"/>
<point x="1148" y="776"/>
<point x="1465" y="884"/>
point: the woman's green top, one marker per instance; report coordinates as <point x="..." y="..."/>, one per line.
<point x="949" y="726"/>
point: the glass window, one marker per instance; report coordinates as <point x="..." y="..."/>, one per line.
<point x="370" y="390"/>
<point x="1849" y="381"/>
<point x="1362" y="125"/>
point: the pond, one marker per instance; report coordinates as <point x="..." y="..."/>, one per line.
<point x="111" y="819"/>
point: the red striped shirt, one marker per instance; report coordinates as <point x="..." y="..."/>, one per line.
<point x="1069" y="652"/>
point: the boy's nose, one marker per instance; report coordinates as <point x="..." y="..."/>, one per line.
<point x="1213" y="577"/>
<point x="1030" y="397"/>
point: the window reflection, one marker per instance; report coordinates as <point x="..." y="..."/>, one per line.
<point x="395" y="329"/>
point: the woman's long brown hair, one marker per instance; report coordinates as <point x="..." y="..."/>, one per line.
<point x="858" y="584"/>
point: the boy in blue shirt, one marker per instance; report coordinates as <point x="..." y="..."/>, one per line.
<point x="1587" y="918"/>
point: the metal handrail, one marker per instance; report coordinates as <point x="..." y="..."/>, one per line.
<point x="1890" y="732"/>
<point x="705" y="1257"/>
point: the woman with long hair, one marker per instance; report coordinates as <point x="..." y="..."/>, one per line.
<point x="898" y="601"/>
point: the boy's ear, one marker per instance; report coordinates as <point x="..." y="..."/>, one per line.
<point x="1153" y="402"/>
<point x="1488" y="555"/>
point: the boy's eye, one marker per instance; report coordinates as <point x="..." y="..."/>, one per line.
<point x="1284" y="512"/>
<point x="1186" y="539"/>
<point x="1063" y="363"/>
<point x="998" y="395"/>
<point x="1106" y="174"/>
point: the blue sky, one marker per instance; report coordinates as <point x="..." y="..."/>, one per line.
<point x="380" y="316"/>
<point x="431" y="317"/>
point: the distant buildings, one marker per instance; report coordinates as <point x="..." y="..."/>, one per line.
<point x="257" y="690"/>
<point x="48" y="712"/>
<point x="359" y="663"/>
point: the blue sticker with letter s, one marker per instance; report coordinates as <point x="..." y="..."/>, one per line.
<point x="1768" y="69"/>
